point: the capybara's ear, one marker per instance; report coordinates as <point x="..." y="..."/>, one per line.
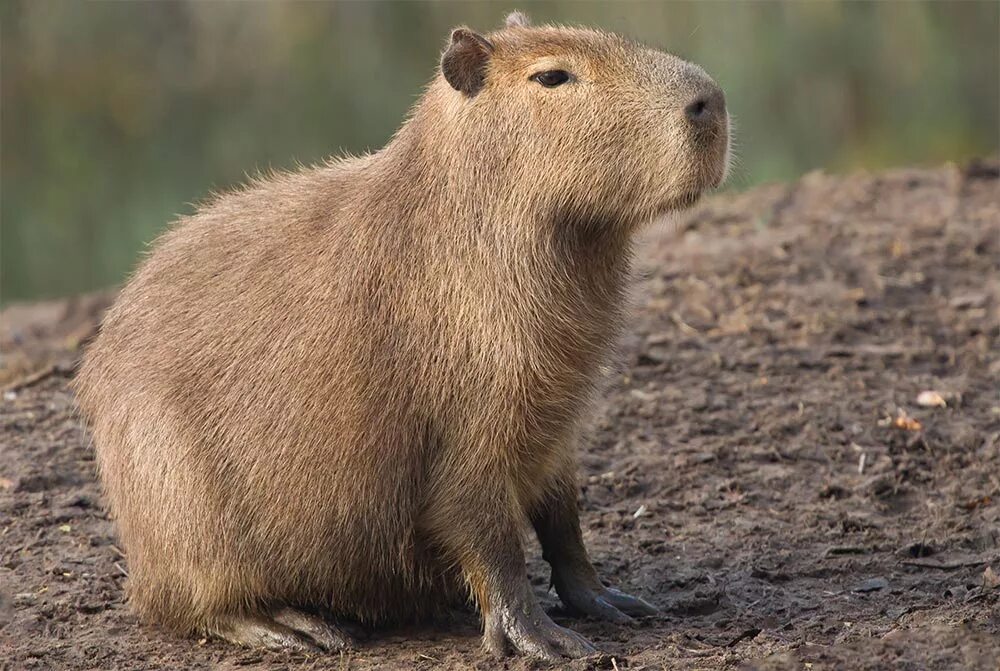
<point x="517" y="20"/>
<point x="464" y="61"/>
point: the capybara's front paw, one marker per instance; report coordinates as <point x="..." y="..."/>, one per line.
<point x="526" y="629"/>
<point x="608" y="604"/>
<point x="598" y="601"/>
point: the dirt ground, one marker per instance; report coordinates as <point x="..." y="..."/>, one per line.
<point x="761" y="468"/>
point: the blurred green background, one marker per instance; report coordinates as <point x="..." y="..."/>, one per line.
<point x="115" y="116"/>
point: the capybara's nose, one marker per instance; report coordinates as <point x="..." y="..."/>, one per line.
<point x="707" y="108"/>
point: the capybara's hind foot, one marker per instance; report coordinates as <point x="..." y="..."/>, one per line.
<point x="285" y="629"/>
<point x="327" y="636"/>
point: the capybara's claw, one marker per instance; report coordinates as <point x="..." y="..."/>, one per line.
<point x="594" y="604"/>
<point x="626" y="603"/>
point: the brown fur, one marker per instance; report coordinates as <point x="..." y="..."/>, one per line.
<point x="342" y="388"/>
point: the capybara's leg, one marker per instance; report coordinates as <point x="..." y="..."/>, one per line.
<point x="285" y="629"/>
<point x="557" y="524"/>
<point x="479" y="525"/>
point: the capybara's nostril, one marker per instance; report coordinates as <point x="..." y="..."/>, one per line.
<point x="706" y="109"/>
<point x="696" y="110"/>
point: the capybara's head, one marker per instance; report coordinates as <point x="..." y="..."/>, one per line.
<point x="582" y="123"/>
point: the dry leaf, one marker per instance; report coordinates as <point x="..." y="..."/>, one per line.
<point x="906" y="423"/>
<point x="857" y="295"/>
<point x="972" y="504"/>
<point x="931" y="399"/>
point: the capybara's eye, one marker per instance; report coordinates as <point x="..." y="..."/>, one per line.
<point x="552" y="78"/>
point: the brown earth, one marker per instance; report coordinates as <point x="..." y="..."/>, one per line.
<point x="760" y="467"/>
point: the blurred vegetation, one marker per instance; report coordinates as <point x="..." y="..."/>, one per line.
<point x="115" y="116"/>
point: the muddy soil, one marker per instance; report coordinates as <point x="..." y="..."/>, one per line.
<point x="760" y="468"/>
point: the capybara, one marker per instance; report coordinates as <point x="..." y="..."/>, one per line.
<point x="341" y="395"/>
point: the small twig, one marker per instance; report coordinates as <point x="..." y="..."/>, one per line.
<point x="835" y="550"/>
<point x="698" y="653"/>
<point x="683" y="325"/>
<point x="747" y="635"/>
<point x="123" y="571"/>
<point x="944" y="565"/>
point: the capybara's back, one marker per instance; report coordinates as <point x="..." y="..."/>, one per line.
<point x="343" y="393"/>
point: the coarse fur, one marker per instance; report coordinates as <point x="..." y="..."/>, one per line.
<point x="349" y="389"/>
